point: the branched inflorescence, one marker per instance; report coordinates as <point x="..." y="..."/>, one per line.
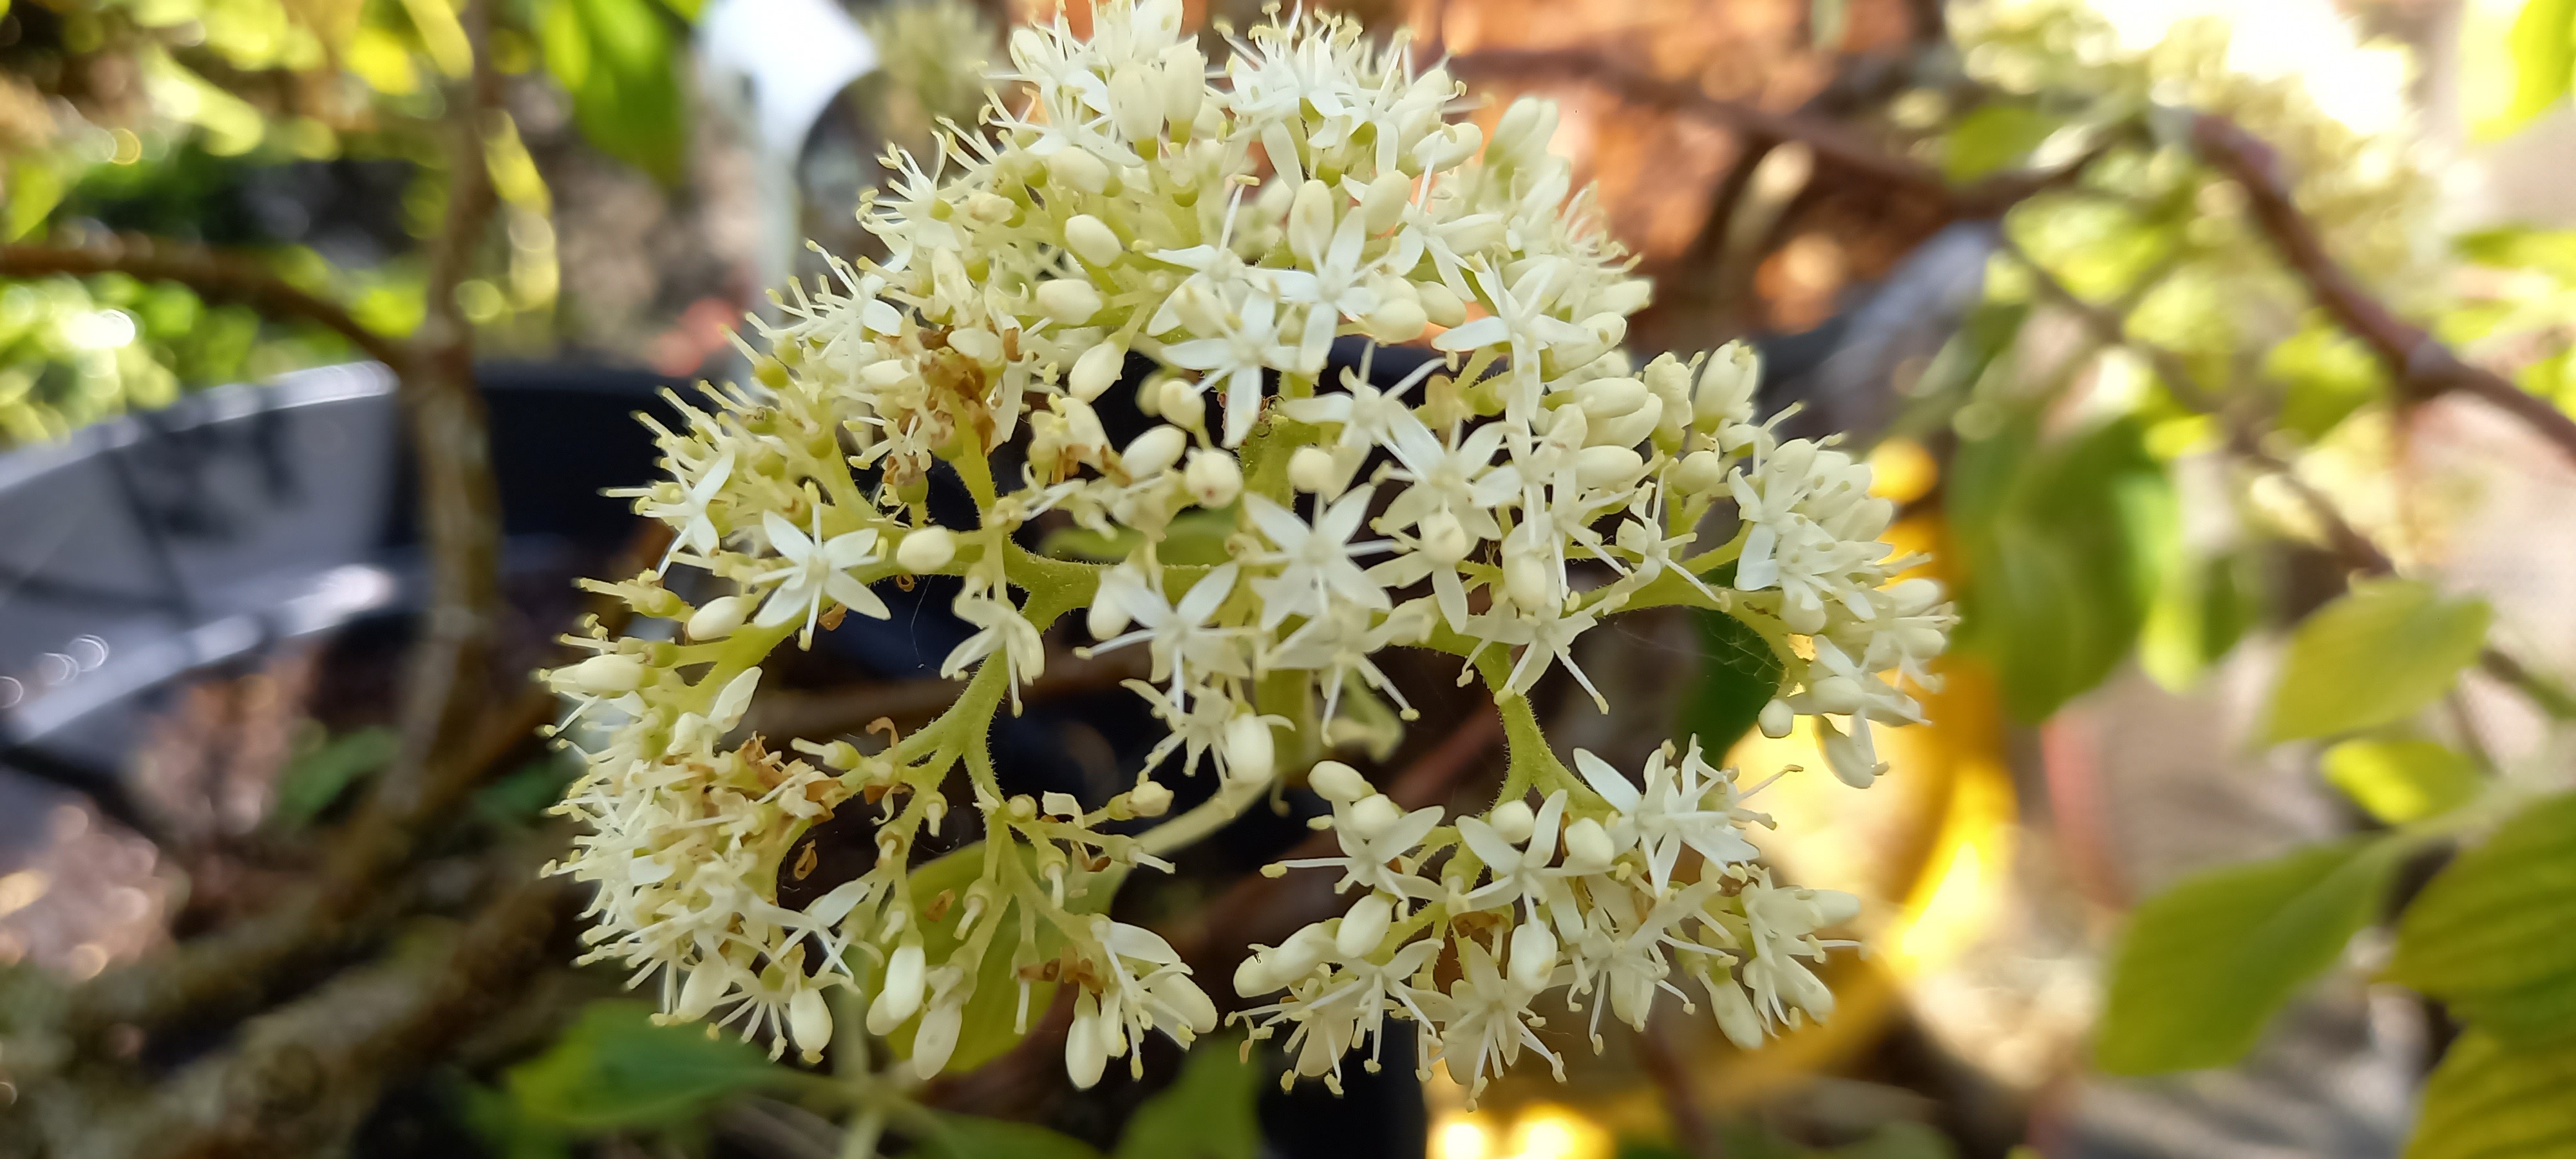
<point x="1495" y="506"/>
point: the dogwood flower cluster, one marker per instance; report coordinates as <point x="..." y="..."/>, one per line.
<point x="1131" y="224"/>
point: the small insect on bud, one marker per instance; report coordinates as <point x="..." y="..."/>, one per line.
<point x="1092" y="240"/>
<point x="926" y="549"/>
<point x="1250" y="756"/>
<point x="1364" y="926"/>
<point x="1070" y="301"/>
<point x="1311" y="469"/>
<point x="1335" y="781"/>
<point x="1074" y="166"/>
<point x="608" y="674"/>
<point x="1097" y="370"/>
<point x="1154" y="451"/>
<point x="1213" y="478"/>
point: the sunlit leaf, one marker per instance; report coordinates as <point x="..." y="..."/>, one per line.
<point x="1207" y="1113"/>
<point x="2493" y="1100"/>
<point x="313" y="780"/>
<point x="1993" y="137"/>
<point x="2490" y="936"/>
<point x="2374" y="656"/>
<point x="2543" y="44"/>
<point x="2203" y="965"/>
<point x="618" y="60"/>
<point x="974" y="1137"/>
<point x="2402" y="780"/>
<point x="615" y="1069"/>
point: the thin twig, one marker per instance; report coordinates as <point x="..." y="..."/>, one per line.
<point x="1831" y="142"/>
<point x="2422" y="366"/>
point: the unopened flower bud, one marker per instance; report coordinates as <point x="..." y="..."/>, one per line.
<point x="1512" y="820"/>
<point x="1777" y="719"/>
<point x="1213" y="478"/>
<point x="1726" y="385"/>
<point x="900" y="996"/>
<point x="706" y="986"/>
<point x="1136" y="102"/>
<point x="1105" y="619"/>
<point x="1835" y="694"/>
<point x="1373" y="815"/>
<point x="608" y="674"/>
<point x="1312" y="470"/>
<point x="1587" y="846"/>
<point x="1444" y="540"/>
<point x="926" y="549"/>
<point x="1626" y="297"/>
<point x="1383" y="205"/>
<point x="1249" y="753"/>
<point x="1179" y="402"/>
<point x="1335" y="781"/>
<point x="1448" y="146"/>
<point x="1074" y="166"/>
<point x="1154" y="451"/>
<point x="977" y="343"/>
<point x="1149" y="798"/>
<point x="1609" y="398"/>
<point x="1182" y="74"/>
<point x="1526" y="581"/>
<point x="1440" y="303"/>
<point x="1399" y="316"/>
<point x="1700" y="473"/>
<point x="1611" y="466"/>
<point x="1364" y="926"/>
<point x="1735" y="1014"/>
<point x="1070" y="301"/>
<point x="809" y="1022"/>
<point x="935" y="1040"/>
<point x="1092" y="240"/>
<point x="1533" y="955"/>
<point x="1096" y="371"/>
<point x="1525" y="128"/>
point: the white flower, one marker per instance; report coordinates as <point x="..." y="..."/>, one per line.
<point x="1318" y="559"/>
<point x="1235" y="359"/>
<point x="1179" y="636"/>
<point x="1489" y="1022"/>
<point x="1000" y="628"/>
<point x="1670" y="812"/>
<point x="1376" y="835"/>
<point x="1521" y="322"/>
<point x="816" y="569"/>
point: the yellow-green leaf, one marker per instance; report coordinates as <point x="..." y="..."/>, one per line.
<point x="615" y="1069"/>
<point x="2543" y="44"/>
<point x="2493" y="1100"/>
<point x="2402" y="780"/>
<point x="2204" y="965"/>
<point x="2490" y="936"/>
<point x="1209" y="1112"/>
<point x="2374" y="656"/>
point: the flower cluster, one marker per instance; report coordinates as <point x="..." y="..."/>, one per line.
<point x="1496" y="504"/>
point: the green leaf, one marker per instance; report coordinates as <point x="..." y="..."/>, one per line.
<point x="617" y="59"/>
<point x="1739" y="672"/>
<point x="2204" y="964"/>
<point x="2325" y="375"/>
<point x="1995" y="136"/>
<point x="2493" y="1100"/>
<point x="2066" y="547"/>
<point x="522" y="797"/>
<point x="2489" y="936"/>
<point x="2402" y="780"/>
<point x="1209" y="1112"/>
<point x="972" y="1137"/>
<point x="35" y="186"/>
<point x="2374" y="656"/>
<point x="2197" y="616"/>
<point x="2543" y="43"/>
<point x="615" y="1070"/>
<point x="313" y="780"/>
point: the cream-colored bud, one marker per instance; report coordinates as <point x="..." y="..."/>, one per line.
<point x="977" y="343"/>
<point x="1364" y="926"/>
<point x="1070" y="301"/>
<point x="706" y="986"/>
<point x="927" y="549"/>
<point x="1082" y="430"/>
<point x="1074" y="166"/>
<point x="1607" y="328"/>
<point x="1628" y="429"/>
<point x="1726" y="386"/>
<point x="1182" y="74"/>
<point x="1312" y="470"/>
<point x="1533" y="955"/>
<point x="900" y="996"/>
<point x="1512" y="820"/>
<point x="1913" y="597"/>
<point x="1607" y="398"/>
<point x="1105" y="619"/>
<point x="1700" y="473"/>
<point x="1587" y="846"/>
<point x="1777" y="719"/>
<point x="1250" y="755"/>
<point x="1448" y="146"/>
<point x="989" y="207"/>
<point x="1199" y="308"/>
<point x="1835" y="694"/>
<point x="720" y="617"/>
<point x="1440" y="304"/>
<point x="1213" y="478"/>
<point x="1399" y="316"/>
<point x="1179" y="402"/>
<point x="1735" y="1014"/>
<point x="607" y="674"/>
<point x="809" y="1022"/>
<point x="1626" y="297"/>
<point x="1373" y="815"/>
<point x="1444" y="540"/>
<point x="1097" y="370"/>
<point x="935" y="1040"/>
<point x="1253" y="976"/>
<point x="1186" y="999"/>
<point x="1525" y="128"/>
<point x="1610" y="466"/>
<point x="1092" y="240"/>
<point x="1383" y="205"/>
<point x="1136" y="102"/>
<point x="1335" y="781"/>
<point x="1310" y="218"/>
<point x="1526" y="581"/>
<point x="1154" y="451"/>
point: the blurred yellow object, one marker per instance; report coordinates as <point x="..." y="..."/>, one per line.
<point x="1901" y="471"/>
<point x="1537" y="1131"/>
<point x="1461" y="1135"/>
